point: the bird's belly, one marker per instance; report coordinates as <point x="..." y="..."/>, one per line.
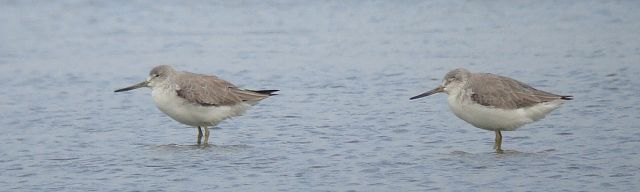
<point x="491" y="118"/>
<point x="193" y="114"/>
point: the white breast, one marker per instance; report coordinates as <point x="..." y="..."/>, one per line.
<point x="491" y="118"/>
<point x="193" y="114"/>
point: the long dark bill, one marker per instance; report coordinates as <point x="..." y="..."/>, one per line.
<point x="132" y="87"/>
<point x="433" y="91"/>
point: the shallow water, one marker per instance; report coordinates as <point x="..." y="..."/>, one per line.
<point x="342" y="120"/>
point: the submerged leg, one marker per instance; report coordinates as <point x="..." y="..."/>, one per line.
<point x="199" y="135"/>
<point x="498" y="144"/>
<point x="206" y="135"/>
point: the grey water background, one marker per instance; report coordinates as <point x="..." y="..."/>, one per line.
<point x="342" y="121"/>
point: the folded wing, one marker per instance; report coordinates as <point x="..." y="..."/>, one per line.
<point x="504" y="92"/>
<point x="208" y="90"/>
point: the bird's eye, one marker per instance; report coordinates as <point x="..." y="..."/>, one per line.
<point x="156" y="75"/>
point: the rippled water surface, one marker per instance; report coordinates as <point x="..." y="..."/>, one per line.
<point x="342" y="120"/>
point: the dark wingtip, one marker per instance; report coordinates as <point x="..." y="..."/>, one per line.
<point x="267" y="92"/>
<point x="566" y="97"/>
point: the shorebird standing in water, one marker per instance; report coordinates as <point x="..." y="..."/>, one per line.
<point x="494" y="102"/>
<point x="197" y="100"/>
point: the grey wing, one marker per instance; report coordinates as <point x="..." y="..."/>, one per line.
<point x="213" y="91"/>
<point x="504" y="92"/>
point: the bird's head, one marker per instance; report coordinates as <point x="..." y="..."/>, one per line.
<point x="453" y="80"/>
<point x="157" y="75"/>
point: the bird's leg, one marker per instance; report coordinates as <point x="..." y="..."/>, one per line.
<point x="199" y="135"/>
<point x="206" y="135"/>
<point x="498" y="144"/>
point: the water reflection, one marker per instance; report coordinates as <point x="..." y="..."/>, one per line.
<point x="198" y="148"/>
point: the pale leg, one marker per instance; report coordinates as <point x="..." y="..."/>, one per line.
<point x="199" y="135"/>
<point x="498" y="144"/>
<point x="206" y="135"/>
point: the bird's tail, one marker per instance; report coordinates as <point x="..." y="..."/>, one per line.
<point x="566" y="97"/>
<point x="266" y="92"/>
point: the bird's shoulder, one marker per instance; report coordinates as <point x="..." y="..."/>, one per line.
<point x="206" y="89"/>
